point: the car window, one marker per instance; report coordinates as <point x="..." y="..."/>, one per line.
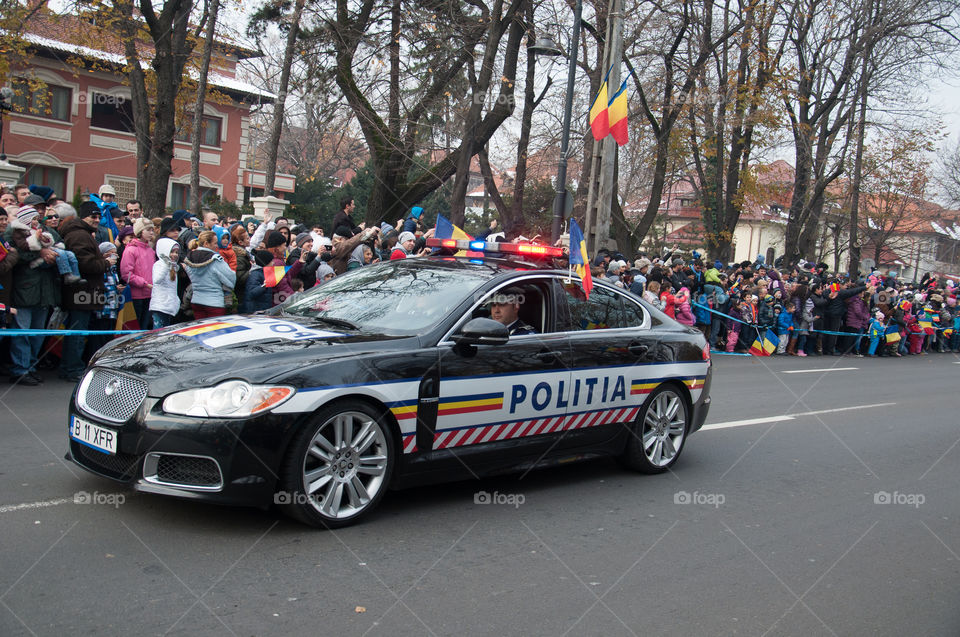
<point x="605" y="309"/>
<point x="532" y="298"/>
<point x="389" y="298"/>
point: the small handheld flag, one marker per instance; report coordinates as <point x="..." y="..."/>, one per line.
<point x="273" y="273"/>
<point x="446" y="230"/>
<point x="765" y="344"/>
<point x="3" y="251"/>
<point x="578" y="257"/>
<point x="893" y="335"/>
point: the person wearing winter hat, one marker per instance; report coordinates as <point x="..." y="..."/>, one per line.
<point x="412" y="222"/>
<point x="136" y="268"/>
<point x="324" y="274"/>
<point x="224" y="247"/>
<point x="84" y="300"/>
<point x="26" y="227"/>
<point x="362" y="255"/>
<point x="107" y="194"/>
<point x="875" y="331"/>
<point x="164" y="302"/>
<point x="277" y="246"/>
<point x="34" y="292"/>
<point x="404" y="247"/>
<point x="256" y="296"/>
<point x="210" y="276"/>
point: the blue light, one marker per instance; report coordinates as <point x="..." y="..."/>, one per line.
<point x="477" y="261"/>
<point x="479" y="246"/>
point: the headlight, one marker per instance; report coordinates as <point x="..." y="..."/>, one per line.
<point x="229" y="399"/>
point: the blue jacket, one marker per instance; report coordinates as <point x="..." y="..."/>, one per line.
<point x="701" y="314"/>
<point x="784" y="323"/>
<point x="210" y="276"/>
<point x="256" y="296"/>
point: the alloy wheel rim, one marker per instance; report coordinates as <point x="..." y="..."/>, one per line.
<point x="345" y="465"/>
<point x="664" y="426"/>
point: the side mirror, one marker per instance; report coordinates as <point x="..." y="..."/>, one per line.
<point x="482" y="331"/>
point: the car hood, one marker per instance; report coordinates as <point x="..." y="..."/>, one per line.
<point x="255" y="348"/>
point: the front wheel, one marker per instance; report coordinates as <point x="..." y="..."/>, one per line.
<point x="657" y="438"/>
<point x="339" y="467"/>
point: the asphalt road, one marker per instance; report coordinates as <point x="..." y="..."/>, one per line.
<point x="815" y="503"/>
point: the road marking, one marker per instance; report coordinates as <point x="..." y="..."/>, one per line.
<point x="826" y="369"/>
<point x="7" y="508"/>
<point x="785" y="417"/>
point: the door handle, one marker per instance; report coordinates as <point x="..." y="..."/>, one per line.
<point x="639" y="349"/>
<point x="547" y="355"/>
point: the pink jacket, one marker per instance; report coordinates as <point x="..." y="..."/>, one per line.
<point x="136" y="268"/>
<point x="683" y="313"/>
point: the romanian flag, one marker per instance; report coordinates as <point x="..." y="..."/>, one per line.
<point x="126" y="315"/>
<point x="3" y="253"/>
<point x="617" y="113"/>
<point x="893" y="335"/>
<point x="599" y="117"/>
<point x="834" y="287"/>
<point x="446" y="230"/>
<point x="273" y="273"/>
<point x="766" y="344"/>
<point x="579" y="258"/>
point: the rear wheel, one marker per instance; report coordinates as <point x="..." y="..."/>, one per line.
<point x="657" y="437"/>
<point x="339" y="468"/>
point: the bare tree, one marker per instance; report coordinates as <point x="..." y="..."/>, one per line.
<point x="208" y="44"/>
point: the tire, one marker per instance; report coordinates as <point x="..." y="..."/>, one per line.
<point x="339" y="467"/>
<point x="657" y="437"/>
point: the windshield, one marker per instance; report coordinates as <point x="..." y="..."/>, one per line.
<point x="389" y="298"/>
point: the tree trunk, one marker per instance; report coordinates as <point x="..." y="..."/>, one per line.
<point x="195" y="198"/>
<point x="279" y="105"/>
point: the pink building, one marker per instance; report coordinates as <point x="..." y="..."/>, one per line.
<point x="73" y="131"/>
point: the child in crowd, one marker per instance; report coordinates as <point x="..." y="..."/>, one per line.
<point x="27" y="229"/>
<point x="876" y="331"/>
<point x="784" y="325"/>
<point x="164" y="302"/>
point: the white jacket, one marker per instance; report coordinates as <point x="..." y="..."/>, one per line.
<point x="163" y="297"/>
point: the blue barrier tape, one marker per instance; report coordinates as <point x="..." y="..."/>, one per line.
<point x="810" y="330"/>
<point x="714" y="353"/>
<point x="14" y="332"/>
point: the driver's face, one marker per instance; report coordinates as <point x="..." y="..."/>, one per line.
<point x="506" y="313"/>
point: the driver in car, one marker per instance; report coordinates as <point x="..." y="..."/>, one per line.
<point x="505" y="308"/>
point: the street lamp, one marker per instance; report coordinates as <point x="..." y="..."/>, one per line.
<point x="545" y="46"/>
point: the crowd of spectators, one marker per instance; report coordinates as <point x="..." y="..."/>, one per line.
<point x="811" y="311"/>
<point x="71" y="268"/>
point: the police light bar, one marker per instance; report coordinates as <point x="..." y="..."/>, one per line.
<point x="477" y="246"/>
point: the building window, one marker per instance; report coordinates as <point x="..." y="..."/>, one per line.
<point x="209" y="135"/>
<point x="42" y="100"/>
<point x="49" y="176"/>
<point x="180" y="196"/>
<point x="111" y="112"/>
<point x="126" y="189"/>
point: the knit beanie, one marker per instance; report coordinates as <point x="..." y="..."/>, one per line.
<point x="263" y="258"/>
<point x="27" y="214"/>
<point x="406" y="236"/>
<point x="302" y="238"/>
<point x="106" y="247"/>
<point x="275" y="239"/>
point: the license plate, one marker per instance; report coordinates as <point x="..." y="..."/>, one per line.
<point x="87" y="433"/>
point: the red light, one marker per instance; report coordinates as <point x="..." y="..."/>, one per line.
<point x="449" y="243"/>
<point x="706" y="352"/>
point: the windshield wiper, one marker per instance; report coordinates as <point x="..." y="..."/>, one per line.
<point x="337" y="322"/>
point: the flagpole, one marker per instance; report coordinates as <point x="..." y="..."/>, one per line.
<point x="560" y="200"/>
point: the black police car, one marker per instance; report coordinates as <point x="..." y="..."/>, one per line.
<point x="388" y="376"/>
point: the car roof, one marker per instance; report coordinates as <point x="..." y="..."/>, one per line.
<point x="494" y="265"/>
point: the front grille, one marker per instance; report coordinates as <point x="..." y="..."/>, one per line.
<point x="192" y="471"/>
<point x="121" y="466"/>
<point x="111" y="396"/>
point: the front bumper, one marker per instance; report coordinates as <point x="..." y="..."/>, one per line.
<point x="226" y="461"/>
